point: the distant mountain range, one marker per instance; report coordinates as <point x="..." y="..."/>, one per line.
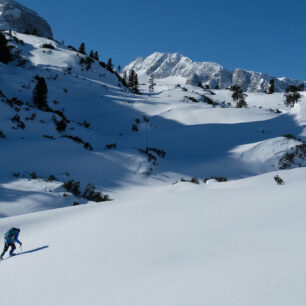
<point x="16" y="17"/>
<point x="164" y="65"/>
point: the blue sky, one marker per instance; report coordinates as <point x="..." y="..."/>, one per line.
<point x="266" y="36"/>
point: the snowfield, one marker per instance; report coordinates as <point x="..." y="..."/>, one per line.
<point x="162" y="240"/>
<point x="234" y="243"/>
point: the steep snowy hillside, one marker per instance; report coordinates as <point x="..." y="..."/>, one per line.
<point x="165" y="65"/>
<point x="14" y="16"/>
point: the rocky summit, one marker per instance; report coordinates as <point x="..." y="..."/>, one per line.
<point x="16" y="17"/>
<point x="165" y="65"/>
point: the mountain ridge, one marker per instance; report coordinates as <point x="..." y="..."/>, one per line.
<point x="14" y="16"/>
<point x="163" y="65"/>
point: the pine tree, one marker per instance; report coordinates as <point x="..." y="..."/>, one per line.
<point x="119" y="68"/>
<point x="135" y="87"/>
<point x="35" y="32"/>
<point x="301" y="87"/>
<point x="96" y="56"/>
<point x="130" y="81"/>
<point x="82" y="48"/>
<point x="152" y="83"/>
<point x="91" y="54"/>
<point x="5" y="54"/>
<point x="124" y="77"/>
<point x="292" y="95"/>
<point x="40" y="93"/>
<point x="271" y="86"/>
<point x="133" y="82"/>
<point x="110" y="65"/>
<point x="238" y="96"/>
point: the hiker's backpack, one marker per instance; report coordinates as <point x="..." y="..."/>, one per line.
<point x="11" y="234"/>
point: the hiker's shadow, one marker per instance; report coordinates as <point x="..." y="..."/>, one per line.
<point x="34" y="250"/>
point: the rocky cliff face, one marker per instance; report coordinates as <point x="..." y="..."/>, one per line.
<point x="164" y="65"/>
<point x="16" y="17"/>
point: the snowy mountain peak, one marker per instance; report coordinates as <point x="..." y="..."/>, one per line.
<point x="164" y="65"/>
<point x="14" y="16"/>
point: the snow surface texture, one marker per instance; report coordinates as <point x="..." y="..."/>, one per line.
<point x="235" y="243"/>
<point x="14" y="16"/>
<point x="165" y="65"/>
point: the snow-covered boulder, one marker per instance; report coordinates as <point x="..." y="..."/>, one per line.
<point x="14" y="16"/>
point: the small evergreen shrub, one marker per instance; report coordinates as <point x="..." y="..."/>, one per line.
<point x="279" y="180"/>
<point x="18" y="122"/>
<point x="49" y="137"/>
<point x="195" y="180"/>
<point x="111" y="146"/>
<point x="73" y="187"/>
<point x="91" y="194"/>
<point x="51" y="178"/>
<point x="289" y="136"/>
<point x="134" y="128"/>
<point x="33" y="175"/>
<point x="192" y="99"/>
<point x="48" y="46"/>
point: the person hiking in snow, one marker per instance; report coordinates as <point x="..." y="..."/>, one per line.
<point x="10" y="237"/>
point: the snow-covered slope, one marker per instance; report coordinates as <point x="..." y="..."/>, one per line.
<point x="236" y="243"/>
<point x="191" y="132"/>
<point x="14" y="16"/>
<point x="165" y="65"/>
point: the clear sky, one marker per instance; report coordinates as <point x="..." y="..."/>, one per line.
<point x="262" y="35"/>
